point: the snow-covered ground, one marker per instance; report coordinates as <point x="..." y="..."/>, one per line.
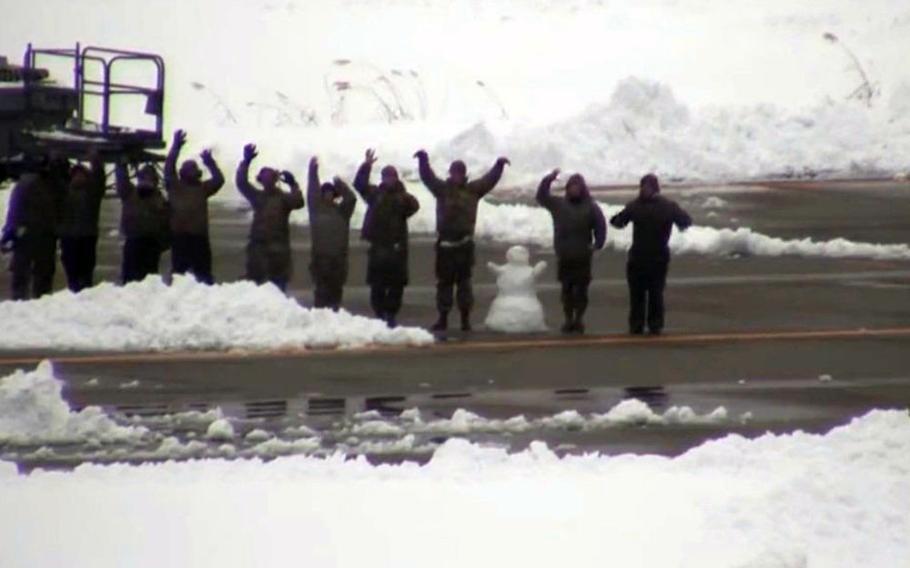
<point x="707" y="89"/>
<point x="834" y="500"/>
<point x="151" y="316"/>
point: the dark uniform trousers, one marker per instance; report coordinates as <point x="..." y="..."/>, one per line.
<point x="574" y="275"/>
<point x="647" y="281"/>
<point x="454" y="265"/>
<point x="33" y="263"/>
<point x="329" y="274"/>
<point x="269" y="261"/>
<point x="387" y="275"/>
<point x="79" y="256"/>
<point x="192" y="253"/>
<point x="141" y="256"/>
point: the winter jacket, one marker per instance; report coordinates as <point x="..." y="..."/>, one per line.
<point x="143" y="213"/>
<point x="456" y="205"/>
<point x="652" y="217"/>
<point x="271" y="208"/>
<point x="578" y="225"/>
<point x="330" y="222"/>
<point x="388" y="210"/>
<point x="81" y="204"/>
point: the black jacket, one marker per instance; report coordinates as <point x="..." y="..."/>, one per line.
<point x="142" y="215"/>
<point x="652" y="218"/>
<point x="388" y="210"/>
<point x="576" y="224"/>
<point x="82" y="204"/>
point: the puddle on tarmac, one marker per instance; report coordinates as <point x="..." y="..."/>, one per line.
<point x="410" y="426"/>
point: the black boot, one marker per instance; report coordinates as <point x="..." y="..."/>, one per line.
<point x="465" y="320"/>
<point x="442" y="323"/>
<point x="569" y="326"/>
<point x="391" y="321"/>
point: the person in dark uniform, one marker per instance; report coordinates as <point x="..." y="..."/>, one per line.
<point x="144" y="222"/>
<point x="456" y="217"/>
<point x="652" y="217"/>
<point x="330" y="207"/>
<point x="78" y="227"/>
<point x="30" y="232"/>
<point x="578" y="230"/>
<point x="268" y="253"/>
<point x="385" y="227"/>
<point x="188" y="195"/>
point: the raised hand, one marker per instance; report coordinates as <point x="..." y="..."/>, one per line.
<point x="370" y="156"/>
<point x="314" y="162"/>
<point x="552" y="175"/>
<point x="421" y="155"/>
<point x="206" y="156"/>
<point x="502" y="160"/>
<point x="249" y="153"/>
<point x="288" y="178"/>
<point x="179" y="138"/>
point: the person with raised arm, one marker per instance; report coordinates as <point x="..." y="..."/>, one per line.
<point x="457" y="198"/>
<point x="188" y="195"/>
<point x="268" y="252"/>
<point x="385" y="228"/>
<point x="653" y="217"/>
<point x="579" y="229"/>
<point x="144" y="222"/>
<point x="330" y="208"/>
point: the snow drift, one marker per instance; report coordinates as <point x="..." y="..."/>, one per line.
<point x="531" y="225"/>
<point x="33" y="411"/>
<point x="834" y="500"/>
<point x="151" y="316"/>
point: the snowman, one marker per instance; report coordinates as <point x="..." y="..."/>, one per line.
<point x="516" y="308"/>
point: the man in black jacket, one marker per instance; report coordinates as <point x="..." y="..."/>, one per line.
<point x="78" y="227"/>
<point x="456" y="217"/>
<point x="652" y="217"/>
<point x="330" y="207"/>
<point x="144" y="222"/>
<point x="188" y="195"/>
<point x="578" y="230"/>
<point x="31" y="227"/>
<point x="268" y="253"/>
<point x="385" y="227"/>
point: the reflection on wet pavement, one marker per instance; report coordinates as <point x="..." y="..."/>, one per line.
<point x="409" y="426"/>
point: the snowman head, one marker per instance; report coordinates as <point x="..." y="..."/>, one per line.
<point x="518" y="255"/>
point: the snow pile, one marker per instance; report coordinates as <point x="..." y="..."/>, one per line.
<point x="629" y="412"/>
<point x="33" y="411"/>
<point x="532" y="225"/>
<point x="834" y="500"/>
<point x="150" y="316"/>
<point x="644" y="128"/>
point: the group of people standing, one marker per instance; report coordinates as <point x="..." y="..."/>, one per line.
<point x="62" y="202"/>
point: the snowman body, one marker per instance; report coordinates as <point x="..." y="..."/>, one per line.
<point x="516" y="308"/>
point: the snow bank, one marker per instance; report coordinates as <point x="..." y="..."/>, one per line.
<point x="33" y="412"/>
<point x="531" y="225"/>
<point x="150" y="316"/>
<point x="544" y="81"/>
<point x="644" y="128"/>
<point x="834" y="500"/>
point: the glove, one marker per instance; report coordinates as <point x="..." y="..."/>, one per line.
<point x="288" y="178"/>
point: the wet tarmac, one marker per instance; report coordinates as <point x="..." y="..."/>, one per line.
<point x="826" y="371"/>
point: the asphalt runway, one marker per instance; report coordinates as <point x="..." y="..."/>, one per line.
<point x="782" y="343"/>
